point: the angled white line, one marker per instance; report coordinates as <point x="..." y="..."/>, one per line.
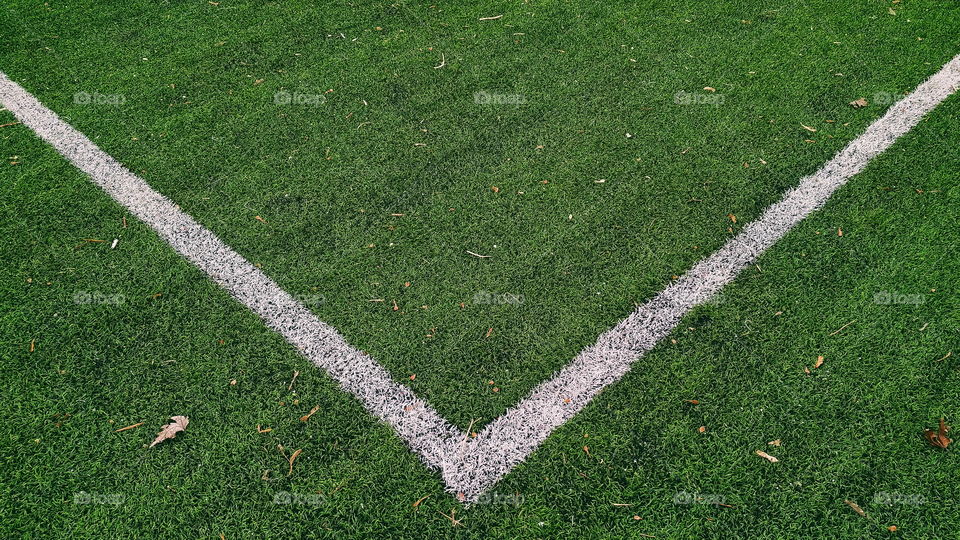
<point x="470" y="466"/>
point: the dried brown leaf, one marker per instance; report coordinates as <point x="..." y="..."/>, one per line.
<point x="938" y="438"/>
<point x="307" y="416"/>
<point x="859" y="103"/>
<point x="170" y="430"/>
<point x="856" y="508"/>
<point x="766" y="456"/>
<point x="292" y="458"/>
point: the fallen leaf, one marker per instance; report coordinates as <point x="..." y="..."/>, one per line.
<point x="818" y="363"/>
<point x="856" y="508"/>
<point x="413" y="377"/>
<point x="938" y="438"/>
<point x="839" y="231"/>
<point x="892" y="528"/>
<point x="709" y="89"/>
<point x="495" y="189"/>
<point x="307" y="416"/>
<point x="767" y="456"/>
<point x="260" y="219"/>
<point x="170" y="430"/>
<point x="420" y="500"/>
<point x="267" y="430"/>
<point x="489" y="332"/>
<point x="732" y="217"/>
<point x="702" y="429"/>
<point x="692" y="401"/>
<point x="453" y="511"/>
<point x="859" y="103"/>
<point x="293" y="457"/>
<point x="808" y="128"/>
<point x="774" y="443"/>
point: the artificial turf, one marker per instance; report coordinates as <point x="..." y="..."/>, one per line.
<point x="199" y="121"/>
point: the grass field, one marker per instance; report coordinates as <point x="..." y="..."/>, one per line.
<point x="89" y="346"/>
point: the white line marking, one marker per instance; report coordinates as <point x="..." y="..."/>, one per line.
<point x="470" y="466"/>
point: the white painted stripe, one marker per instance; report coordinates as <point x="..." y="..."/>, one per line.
<point x="508" y="440"/>
<point x="415" y="421"/>
<point x="470" y="466"/>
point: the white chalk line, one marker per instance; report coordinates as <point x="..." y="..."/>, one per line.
<point x="471" y="465"/>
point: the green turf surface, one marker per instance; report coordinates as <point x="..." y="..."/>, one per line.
<point x="217" y="144"/>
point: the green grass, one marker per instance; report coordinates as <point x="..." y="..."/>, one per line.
<point x="218" y="145"/>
